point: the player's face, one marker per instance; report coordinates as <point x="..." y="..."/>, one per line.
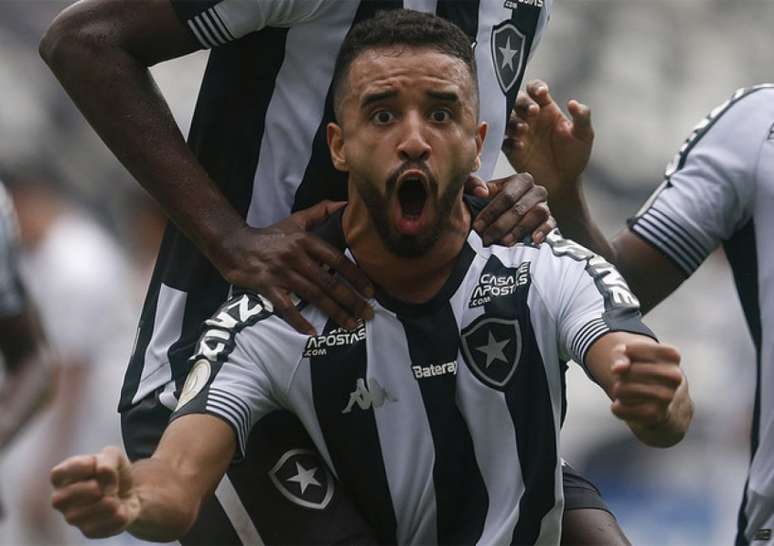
<point x="409" y="136"/>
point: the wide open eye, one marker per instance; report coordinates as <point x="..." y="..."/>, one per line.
<point x="442" y="115"/>
<point x="382" y="117"/>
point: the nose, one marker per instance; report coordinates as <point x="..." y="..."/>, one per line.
<point x="413" y="145"/>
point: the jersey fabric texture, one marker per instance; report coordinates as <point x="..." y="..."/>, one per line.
<point x="440" y="419"/>
<point x="259" y="131"/>
<point x="11" y="292"/>
<point x="719" y="189"/>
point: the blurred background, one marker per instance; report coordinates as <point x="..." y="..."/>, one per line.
<point x="650" y="70"/>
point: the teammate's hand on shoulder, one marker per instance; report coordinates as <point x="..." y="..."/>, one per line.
<point x="542" y="140"/>
<point x="94" y="492"/>
<point x="516" y="209"/>
<point x="285" y="258"/>
<point x="650" y="391"/>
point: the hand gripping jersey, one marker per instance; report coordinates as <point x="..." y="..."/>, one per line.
<point x="259" y="130"/>
<point x="11" y="292"/>
<point x="720" y="189"/>
<point x="441" y="420"/>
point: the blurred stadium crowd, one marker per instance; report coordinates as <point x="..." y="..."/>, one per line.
<point x="649" y="70"/>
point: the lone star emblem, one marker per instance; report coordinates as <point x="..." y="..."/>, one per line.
<point x="304" y="478"/>
<point x="508" y="54"/>
<point x="491" y="348"/>
<point x="494" y="350"/>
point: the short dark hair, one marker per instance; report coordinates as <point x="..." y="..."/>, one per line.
<point x="407" y="28"/>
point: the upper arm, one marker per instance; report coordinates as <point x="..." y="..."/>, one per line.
<point x="707" y="195"/>
<point x="199" y="448"/>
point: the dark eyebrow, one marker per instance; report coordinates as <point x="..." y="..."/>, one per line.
<point x="448" y="96"/>
<point x="376" y="97"/>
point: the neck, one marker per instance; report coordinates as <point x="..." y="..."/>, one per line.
<point x="413" y="280"/>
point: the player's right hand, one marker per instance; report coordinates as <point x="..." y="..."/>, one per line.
<point x="541" y="140"/>
<point x="94" y="492"/>
<point x="285" y="258"/>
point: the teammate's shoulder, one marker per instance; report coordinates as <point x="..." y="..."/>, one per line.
<point x="743" y="110"/>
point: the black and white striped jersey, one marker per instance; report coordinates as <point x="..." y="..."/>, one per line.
<point x="11" y="292"/>
<point x="440" y="419"/>
<point x="259" y="130"/>
<point x="719" y="189"/>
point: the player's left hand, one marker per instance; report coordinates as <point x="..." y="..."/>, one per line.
<point x="648" y="377"/>
<point x="517" y="208"/>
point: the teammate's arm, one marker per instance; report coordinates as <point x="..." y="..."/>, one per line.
<point x="644" y="380"/>
<point x="29" y="380"/>
<point x="155" y="499"/>
<point x="555" y="149"/>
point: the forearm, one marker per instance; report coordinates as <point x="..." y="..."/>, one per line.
<point x="25" y="391"/>
<point x="168" y="505"/>
<point x="115" y="91"/>
<point x="574" y="220"/>
<point x="673" y="428"/>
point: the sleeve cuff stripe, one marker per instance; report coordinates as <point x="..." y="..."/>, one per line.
<point x="232" y="400"/>
<point x="222" y="23"/>
<point x="583" y="335"/>
<point x="213" y="27"/>
<point x="595" y="336"/>
<point x="228" y="412"/>
<point x="687" y="247"/>
<point x="649" y="234"/>
<point x="585" y="342"/>
<point x="679" y="231"/>
<point x="202" y="41"/>
<point x="242" y="410"/>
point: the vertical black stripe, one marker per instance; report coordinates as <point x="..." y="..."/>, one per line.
<point x="225" y="135"/>
<point x="211" y="527"/>
<point x="525" y="18"/>
<point x="742" y="255"/>
<point x="529" y="402"/>
<point x="144" y="331"/>
<point x="321" y="180"/>
<point x="352" y="438"/>
<point x="463" y="13"/>
<point x="460" y="493"/>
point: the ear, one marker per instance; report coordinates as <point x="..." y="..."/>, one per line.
<point x="480" y="137"/>
<point x="336" y="147"/>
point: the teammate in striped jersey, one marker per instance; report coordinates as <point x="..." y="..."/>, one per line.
<point x="719" y="189"/>
<point x="28" y="377"/>
<point x="441" y="415"/>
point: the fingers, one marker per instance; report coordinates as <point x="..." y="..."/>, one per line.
<point x="475" y="185"/>
<point x="285" y="308"/>
<point x="74" y="469"/>
<point x="581" y="121"/>
<point x="106" y="466"/>
<point x="538" y="90"/>
<point x="317" y="214"/>
<point x="104" y="518"/>
<point x="517" y="208"/>
<point x="540" y="232"/>
<point x="80" y="493"/>
<point x="526" y="107"/>
<point x="333" y="258"/>
<point x="310" y="291"/>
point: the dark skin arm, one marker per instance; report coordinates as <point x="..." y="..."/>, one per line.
<point x="29" y="381"/>
<point x="555" y="148"/>
<point x="100" y="51"/>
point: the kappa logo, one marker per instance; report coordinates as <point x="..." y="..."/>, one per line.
<point x="366" y="397"/>
<point x="492" y="348"/>
<point x="508" y="45"/>
<point x="302" y="478"/>
<point x="339" y="337"/>
<point x="491" y="286"/>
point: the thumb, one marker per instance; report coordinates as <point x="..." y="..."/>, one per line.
<point x="317" y="214"/>
<point x="474" y="185"/>
<point x="111" y="468"/>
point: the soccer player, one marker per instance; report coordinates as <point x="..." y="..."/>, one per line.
<point x="255" y="153"/>
<point x="441" y="415"/>
<point x="719" y="189"/>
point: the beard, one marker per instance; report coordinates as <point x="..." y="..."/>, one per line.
<point x="400" y="244"/>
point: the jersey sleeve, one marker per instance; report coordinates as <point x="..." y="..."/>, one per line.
<point x="587" y="297"/>
<point x="11" y="292"/>
<point x="217" y="22"/>
<point x="709" y="187"/>
<point x="230" y="378"/>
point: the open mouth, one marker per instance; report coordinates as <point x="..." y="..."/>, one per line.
<point x="412" y="196"/>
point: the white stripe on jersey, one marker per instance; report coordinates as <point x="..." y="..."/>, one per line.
<point x="168" y="324"/>
<point x="237" y="514"/>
